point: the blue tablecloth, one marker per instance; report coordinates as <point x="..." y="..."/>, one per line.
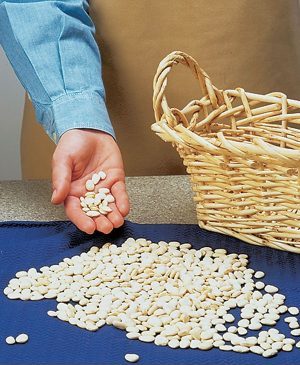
<point x="35" y="244"/>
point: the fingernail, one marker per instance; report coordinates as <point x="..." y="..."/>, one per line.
<point x="53" y="195"/>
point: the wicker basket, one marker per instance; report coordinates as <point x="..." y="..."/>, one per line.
<point x="242" y="151"/>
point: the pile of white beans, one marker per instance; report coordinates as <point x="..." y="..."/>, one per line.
<point x="95" y="203"/>
<point x="22" y="338"/>
<point x="166" y="293"/>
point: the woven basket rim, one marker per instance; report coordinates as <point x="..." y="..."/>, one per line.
<point x="173" y="126"/>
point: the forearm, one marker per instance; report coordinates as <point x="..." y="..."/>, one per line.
<point x="52" y="49"/>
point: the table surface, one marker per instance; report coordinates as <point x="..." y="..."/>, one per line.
<point x="154" y="199"/>
<point x="164" y="199"/>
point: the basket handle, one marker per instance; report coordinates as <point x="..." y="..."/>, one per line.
<point x="160" y="104"/>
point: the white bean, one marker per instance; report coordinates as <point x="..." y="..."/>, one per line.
<point x="22" y="338"/>
<point x="294" y="325"/>
<point x="146" y="338"/>
<point x="269" y="353"/>
<point x="174" y="343"/>
<point x="10" y="340"/>
<point x="293" y="311"/>
<point x="226" y="348"/>
<point x="89" y="185"/>
<point x="109" y="198"/>
<point x="242" y="331"/>
<point x="95" y="179"/>
<point x="259" y="285"/>
<point x="295" y="332"/>
<point x="132" y="357"/>
<point x="133" y="335"/>
<point x="257" y="350"/>
<point x="271" y="289"/>
<point x="93" y="213"/>
<point x="52" y="313"/>
<point x="259" y="274"/>
<point x="287" y="347"/>
<point x="240" y="349"/>
<point x="102" y="175"/>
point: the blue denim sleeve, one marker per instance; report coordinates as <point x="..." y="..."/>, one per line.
<point x="51" y="46"/>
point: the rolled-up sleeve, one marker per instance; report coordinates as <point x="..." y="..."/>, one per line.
<point x="52" y="49"/>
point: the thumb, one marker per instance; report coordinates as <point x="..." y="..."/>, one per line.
<point x="61" y="177"/>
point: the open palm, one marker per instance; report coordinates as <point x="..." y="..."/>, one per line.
<point x="78" y="155"/>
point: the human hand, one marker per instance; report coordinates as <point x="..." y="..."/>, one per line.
<point x="79" y="154"/>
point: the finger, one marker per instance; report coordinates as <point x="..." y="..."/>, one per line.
<point x="118" y="190"/>
<point x="115" y="216"/>
<point x="77" y="216"/>
<point x="103" y="224"/>
<point x="61" y="178"/>
<point x="78" y="187"/>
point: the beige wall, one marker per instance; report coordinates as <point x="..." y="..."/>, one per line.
<point x="36" y="147"/>
<point x="11" y="109"/>
<point x="247" y="43"/>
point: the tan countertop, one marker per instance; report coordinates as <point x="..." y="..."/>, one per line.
<point x="154" y="199"/>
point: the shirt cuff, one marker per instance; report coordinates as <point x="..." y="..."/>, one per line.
<point x="73" y="111"/>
